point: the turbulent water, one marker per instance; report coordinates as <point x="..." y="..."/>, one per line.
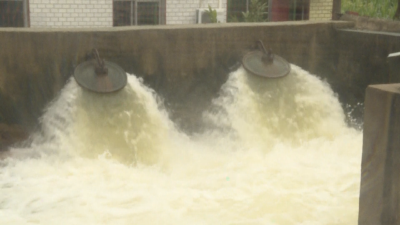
<point x="273" y="152"/>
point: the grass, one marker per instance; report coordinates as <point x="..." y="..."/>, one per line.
<point x="384" y="9"/>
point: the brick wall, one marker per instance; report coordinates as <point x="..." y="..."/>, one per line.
<point x="321" y="9"/>
<point x="184" y="11"/>
<point x="70" y="13"/>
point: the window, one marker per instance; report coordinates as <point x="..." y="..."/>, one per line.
<point x="278" y="10"/>
<point x="284" y="10"/>
<point x="236" y="8"/>
<point x="299" y="10"/>
<point x="13" y="13"/>
<point x="138" y="12"/>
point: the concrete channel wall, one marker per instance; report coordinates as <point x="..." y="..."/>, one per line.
<point x="361" y="61"/>
<point x="380" y="177"/>
<point x="186" y="65"/>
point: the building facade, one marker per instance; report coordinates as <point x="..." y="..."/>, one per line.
<point x="321" y="9"/>
<point x="108" y="13"/>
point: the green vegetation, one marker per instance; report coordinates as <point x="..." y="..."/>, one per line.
<point x="256" y="13"/>
<point x="212" y="13"/>
<point x="385" y="9"/>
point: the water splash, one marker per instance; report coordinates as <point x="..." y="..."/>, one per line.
<point x="126" y="124"/>
<point x="293" y="109"/>
<point x="276" y="152"/>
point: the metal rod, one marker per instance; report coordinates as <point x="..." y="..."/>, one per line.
<point x="270" y="10"/>
<point x="132" y="14"/>
<point x="25" y="13"/>
<point x="263" y="47"/>
<point x="136" y="13"/>
<point x="100" y="68"/>
<point x="97" y="57"/>
<point x="267" y="57"/>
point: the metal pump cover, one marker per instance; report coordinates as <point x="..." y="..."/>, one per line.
<point x="265" y="64"/>
<point x="100" y="76"/>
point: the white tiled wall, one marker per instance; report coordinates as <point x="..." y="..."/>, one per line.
<point x="98" y="13"/>
<point x="321" y="9"/>
<point x="184" y="11"/>
<point x="70" y="13"/>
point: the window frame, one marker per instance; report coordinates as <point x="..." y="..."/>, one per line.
<point x="25" y="10"/>
<point x="247" y="8"/>
<point x="134" y="14"/>
<point x="305" y="6"/>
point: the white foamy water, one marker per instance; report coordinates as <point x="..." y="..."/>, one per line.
<point x="275" y="152"/>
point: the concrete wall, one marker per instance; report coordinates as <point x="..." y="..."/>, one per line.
<point x="380" y="180"/>
<point x="70" y="13"/>
<point x="362" y="60"/>
<point x="185" y="64"/>
<point x="184" y="11"/>
<point x="321" y="9"/>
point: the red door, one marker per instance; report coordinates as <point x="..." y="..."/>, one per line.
<point x="279" y="10"/>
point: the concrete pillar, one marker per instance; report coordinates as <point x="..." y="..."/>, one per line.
<point x="336" y="9"/>
<point x="393" y="63"/>
<point x="380" y="177"/>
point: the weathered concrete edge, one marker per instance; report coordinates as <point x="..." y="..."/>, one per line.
<point x="335" y="24"/>
<point x="392" y="88"/>
<point x="372" y="24"/>
<point x="368" y="32"/>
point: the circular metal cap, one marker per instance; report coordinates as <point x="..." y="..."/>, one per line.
<point x="255" y="63"/>
<point x="112" y="80"/>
